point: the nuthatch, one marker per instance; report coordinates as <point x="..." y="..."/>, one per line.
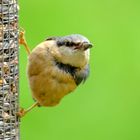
<point x="56" y="67"/>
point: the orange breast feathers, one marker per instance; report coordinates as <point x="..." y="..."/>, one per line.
<point x="48" y="83"/>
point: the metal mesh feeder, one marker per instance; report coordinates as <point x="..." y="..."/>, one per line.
<point x="9" y="75"/>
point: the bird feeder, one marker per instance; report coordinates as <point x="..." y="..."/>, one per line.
<point x="9" y="71"/>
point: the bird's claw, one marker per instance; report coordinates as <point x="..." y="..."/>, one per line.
<point x="22" y="40"/>
<point x="21" y="112"/>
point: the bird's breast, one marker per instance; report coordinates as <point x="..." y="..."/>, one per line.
<point x="49" y="83"/>
<point x="50" y="86"/>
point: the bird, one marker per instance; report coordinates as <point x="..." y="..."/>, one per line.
<point x="56" y="67"/>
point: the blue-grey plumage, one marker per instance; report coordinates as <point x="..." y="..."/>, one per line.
<point x="57" y="66"/>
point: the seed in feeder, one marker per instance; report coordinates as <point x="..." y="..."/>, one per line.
<point x="6" y="116"/>
<point x="13" y="88"/>
<point x="1" y="82"/>
<point x="1" y="123"/>
<point x="6" y="68"/>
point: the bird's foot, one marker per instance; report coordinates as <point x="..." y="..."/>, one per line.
<point x="21" y="113"/>
<point x="22" y="40"/>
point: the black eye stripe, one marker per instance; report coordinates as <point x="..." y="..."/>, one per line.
<point x="69" y="44"/>
<point x="60" y="43"/>
<point x="66" y="43"/>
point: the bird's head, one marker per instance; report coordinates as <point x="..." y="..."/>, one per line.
<point x="72" y="49"/>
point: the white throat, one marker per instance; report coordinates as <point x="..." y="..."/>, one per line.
<point x="76" y="58"/>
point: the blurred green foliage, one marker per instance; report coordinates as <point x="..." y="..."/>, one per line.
<point x="107" y="106"/>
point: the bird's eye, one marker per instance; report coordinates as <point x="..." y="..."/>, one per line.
<point x="67" y="43"/>
<point x="71" y="44"/>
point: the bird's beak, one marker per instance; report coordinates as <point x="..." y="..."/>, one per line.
<point x="86" y="45"/>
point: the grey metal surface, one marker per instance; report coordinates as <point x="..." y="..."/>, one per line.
<point x="9" y="72"/>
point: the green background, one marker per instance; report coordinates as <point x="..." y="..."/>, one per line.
<point x="107" y="106"/>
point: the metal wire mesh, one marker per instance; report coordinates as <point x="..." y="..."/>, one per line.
<point x="9" y="104"/>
